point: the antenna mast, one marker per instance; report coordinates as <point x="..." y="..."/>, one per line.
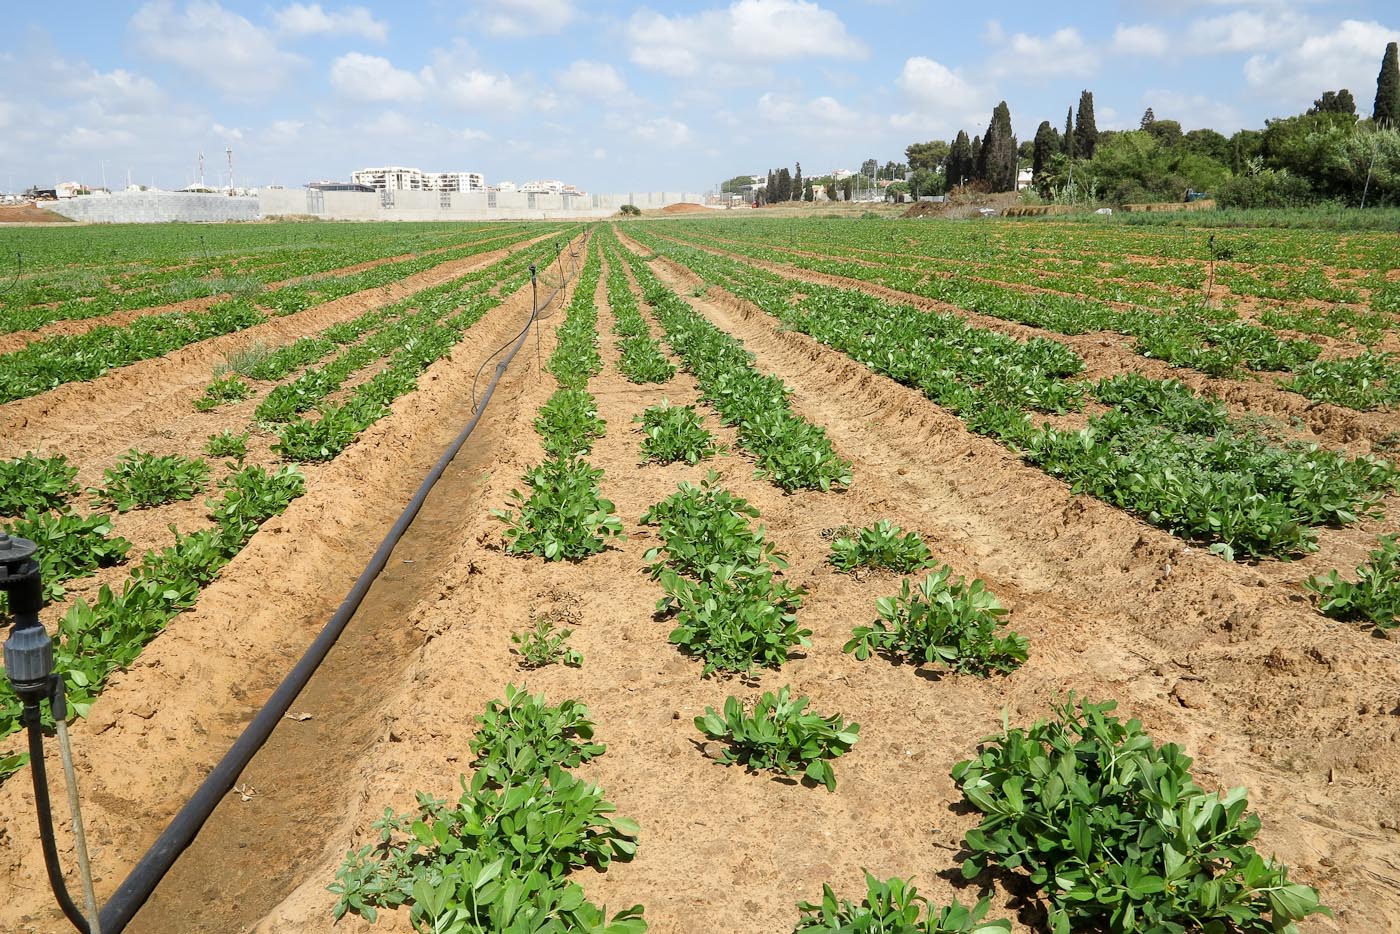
<point x="201" y="170"/>
<point x="229" y="152"/>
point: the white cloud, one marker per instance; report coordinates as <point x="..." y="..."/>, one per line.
<point x="1347" y="57"/>
<point x="517" y="18"/>
<point x="391" y="123"/>
<point x="216" y="45"/>
<point x="662" y="131"/>
<point x="819" y="116"/>
<point x="371" y="78"/>
<point x="302" y="19"/>
<point x="1063" y="52"/>
<point x="746" y="32"/>
<point x="474" y="89"/>
<point x="1140" y="40"/>
<point x="226" y="132"/>
<point x="594" y="79"/>
<point x="941" y="98"/>
<point x="1245" y="31"/>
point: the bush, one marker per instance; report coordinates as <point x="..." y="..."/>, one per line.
<point x="1267" y="188"/>
<point x="630" y="210"/>
<point x="781" y="735"/>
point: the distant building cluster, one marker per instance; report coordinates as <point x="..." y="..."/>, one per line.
<point x="550" y="186"/>
<point x="402" y="178"/>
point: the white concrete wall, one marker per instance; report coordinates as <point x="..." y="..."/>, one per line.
<point x="473" y="206"/>
<point x="151" y="207"/>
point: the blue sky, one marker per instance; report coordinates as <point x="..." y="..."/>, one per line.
<point x="615" y="96"/>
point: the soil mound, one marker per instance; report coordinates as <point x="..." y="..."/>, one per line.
<point x="29" y="214"/>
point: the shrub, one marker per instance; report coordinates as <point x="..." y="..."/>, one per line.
<point x="882" y="545"/>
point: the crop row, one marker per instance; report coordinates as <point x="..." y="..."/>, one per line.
<point x="1207" y="339"/>
<point x="789" y="450"/>
<point x="640" y="358"/>
<point x="564" y="516"/>
<point x="98" y="638"/>
<point x="92" y="288"/>
<point x="1169" y="456"/>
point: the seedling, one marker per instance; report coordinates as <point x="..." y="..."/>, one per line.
<point x="893" y="907"/>
<point x="227" y="444"/>
<point x="943" y="620"/>
<point x="1374" y="597"/>
<point x="780" y="735"/>
<point x="543" y="645"/>
<point x="674" y="433"/>
<point x="565" y="516"/>
<point x="221" y="391"/>
<point x="883" y="545"/>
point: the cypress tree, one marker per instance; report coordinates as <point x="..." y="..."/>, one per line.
<point x="784" y="185"/>
<point x="1387" y="108"/>
<point x="975" y="162"/>
<point x="797" y="183"/>
<point x="1148" y="118"/>
<point x="997" y="160"/>
<point x="1043" y="149"/>
<point x="1067" y="141"/>
<point x="958" y="167"/>
<point x="1086" y="133"/>
<point x="770" y="193"/>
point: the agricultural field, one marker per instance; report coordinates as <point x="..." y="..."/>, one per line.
<point x="802" y="575"/>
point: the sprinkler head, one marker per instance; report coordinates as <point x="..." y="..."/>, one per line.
<point x="28" y="650"/>
<point x="15" y="555"/>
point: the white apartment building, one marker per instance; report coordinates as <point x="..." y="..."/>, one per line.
<point x="454" y="181"/>
<point x="403" y="178"/>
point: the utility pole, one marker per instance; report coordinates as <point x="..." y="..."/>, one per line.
<point x="229" y="153"/>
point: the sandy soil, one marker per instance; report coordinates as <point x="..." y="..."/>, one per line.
<point x="1227" y="659"/>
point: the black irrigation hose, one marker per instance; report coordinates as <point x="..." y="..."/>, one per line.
<point x="19" y="271"/>
<point x="137" y="887"/>
<point x="534" y="317"/>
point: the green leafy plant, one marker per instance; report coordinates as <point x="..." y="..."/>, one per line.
<point x="943" y="620"/>
<point x="32" y="482"/>
<point x="524" y="736"/>
<point x="1116" y="834"/>
<point x="1375" y="595"/>
<point x="565" y="516"/>
<point x="882" y="545"/>
<point x="542" y="644"/>
<point x="69" y="546"/>
<point x="494" y="861"/>
<point x="674" y="433"/>
<point x="140" y="480"/>
<point x="893" y="906"/>
<point x="568" y="423"/>
<point x="227" y="444"/>
<point x="253" y="495"/>
<point x="707" y="525"/>
<point x="735" y="618"/>
<point x="779" y="734"/>
<point x="222" y="390"/>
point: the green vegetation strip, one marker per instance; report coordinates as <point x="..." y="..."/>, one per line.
<point x="789" y="450"/>
<point x="1160" y="452"/>
<point x="564" y="516"/>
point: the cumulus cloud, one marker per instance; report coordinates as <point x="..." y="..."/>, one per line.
<point x="371" y="78"/>
<point x="302" y="19"/>
<point x="940" y="97"/>
<point x="1063" y="52"/>
<point x="215" y="45"/>
<point x="1246" y="31"/>
<point x="745" y="32"/>
<point x="1346" y="57"/>
<point x="594" y="79"/>
<point x="1140" y="40"/>
<point x="518" y="18"/>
